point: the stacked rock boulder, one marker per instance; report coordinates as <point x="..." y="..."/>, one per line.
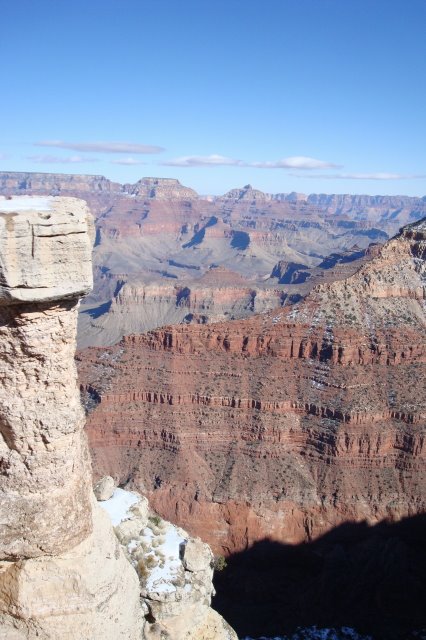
<point x="62" y="572"/>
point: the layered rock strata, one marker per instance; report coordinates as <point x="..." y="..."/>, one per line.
<point x="158" y="235"/>
<point x="62" y="574"/>
<point x="283" y="425"/>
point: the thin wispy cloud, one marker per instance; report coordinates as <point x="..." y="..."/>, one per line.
<point x="129" y="162"/>
<point x="48" y="159"/>
<point x="292" y="162"/>
<point x="203" y="161"/>
<point x="101" y="147"/>
<point x="295" y="162"/>
<point x="381" y="175"/>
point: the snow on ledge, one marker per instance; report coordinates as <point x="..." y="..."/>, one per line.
<point x="158" y="543"/>
<point x="169" y="541"/>
<point x="25" y="203"/>
<point x="117" y="507"/>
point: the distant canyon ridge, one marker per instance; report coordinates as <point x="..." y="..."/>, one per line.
<point x="165" y="255"/>
<point x="286" y="425"/>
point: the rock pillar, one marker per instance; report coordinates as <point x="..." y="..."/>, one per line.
<point x="62" y="572"/>
<point x="45" y="481"/>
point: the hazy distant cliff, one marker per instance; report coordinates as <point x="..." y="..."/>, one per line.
<point x="157" y="233"/>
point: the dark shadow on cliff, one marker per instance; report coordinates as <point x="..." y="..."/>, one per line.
<point x="370" y="578"/>
<point x="97" y="312"/>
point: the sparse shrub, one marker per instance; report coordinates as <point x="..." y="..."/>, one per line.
<point x="150" y="562"/>
<point x="159" y="540"/>
<point x="156" y="520"/>
<point x="145" y="546"/>
<point x="142" y="570"/>
<point x="219" y="563"/>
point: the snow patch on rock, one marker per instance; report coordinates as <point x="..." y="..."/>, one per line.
<point x="25" y="203"/>
<point x="117" y="507"/>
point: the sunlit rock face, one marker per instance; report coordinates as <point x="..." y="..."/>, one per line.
<point x="45" y="486"/>
<point x="62" y="573"/>
<point x="283" y="425"/>
<point x="45" y="249"/>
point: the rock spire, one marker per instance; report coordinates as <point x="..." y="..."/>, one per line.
<point x="62" y="573"/>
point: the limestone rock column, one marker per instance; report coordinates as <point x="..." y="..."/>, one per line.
<point x="45" y="481"/>
<point x="62" y="572"/>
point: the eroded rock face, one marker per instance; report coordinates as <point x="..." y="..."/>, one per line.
<point x="45" y="250"/>
<point x="62" y="572"/>
<point x="280" y="426"/>
<point x="45" y="484"/>
<point x="88" y="592"/>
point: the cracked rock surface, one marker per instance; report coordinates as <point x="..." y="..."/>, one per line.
<point x="62" y="571"/>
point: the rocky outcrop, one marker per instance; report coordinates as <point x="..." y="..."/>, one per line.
<point x="290" y="272"/>
<point x="63" y="573"/>
<point x="44" y="250"/>
<point x="161" y="189"/>
<point x="104" y="488"/>
<point x="280" y="426"/>
<point x="45" y="268"/>
<point x="174" y="569"/>
<point x="89" y="591"/>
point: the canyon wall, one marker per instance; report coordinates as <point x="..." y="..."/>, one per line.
<point x="159" y="235"/>
<point x="283" y="425"/>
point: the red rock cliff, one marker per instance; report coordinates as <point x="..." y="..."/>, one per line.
<point x="282" y="425"/>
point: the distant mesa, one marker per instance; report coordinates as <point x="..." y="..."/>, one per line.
<point x="158" y="234"/>
<point x="161" y="188"/>
<point x="247" y="193"/>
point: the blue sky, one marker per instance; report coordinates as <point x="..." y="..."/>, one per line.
<point x="289" y="95"/>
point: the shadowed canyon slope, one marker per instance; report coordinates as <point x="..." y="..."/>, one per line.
<point x="164" y="255"/>
<point x="369" y="578"/>
<point x="282" y="425"/>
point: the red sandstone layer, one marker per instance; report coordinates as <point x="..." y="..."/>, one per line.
<point x="279" y="426"/>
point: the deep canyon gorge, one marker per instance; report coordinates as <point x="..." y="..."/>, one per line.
<point x="255" y="365"/>
<point x="282" y="425"/>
